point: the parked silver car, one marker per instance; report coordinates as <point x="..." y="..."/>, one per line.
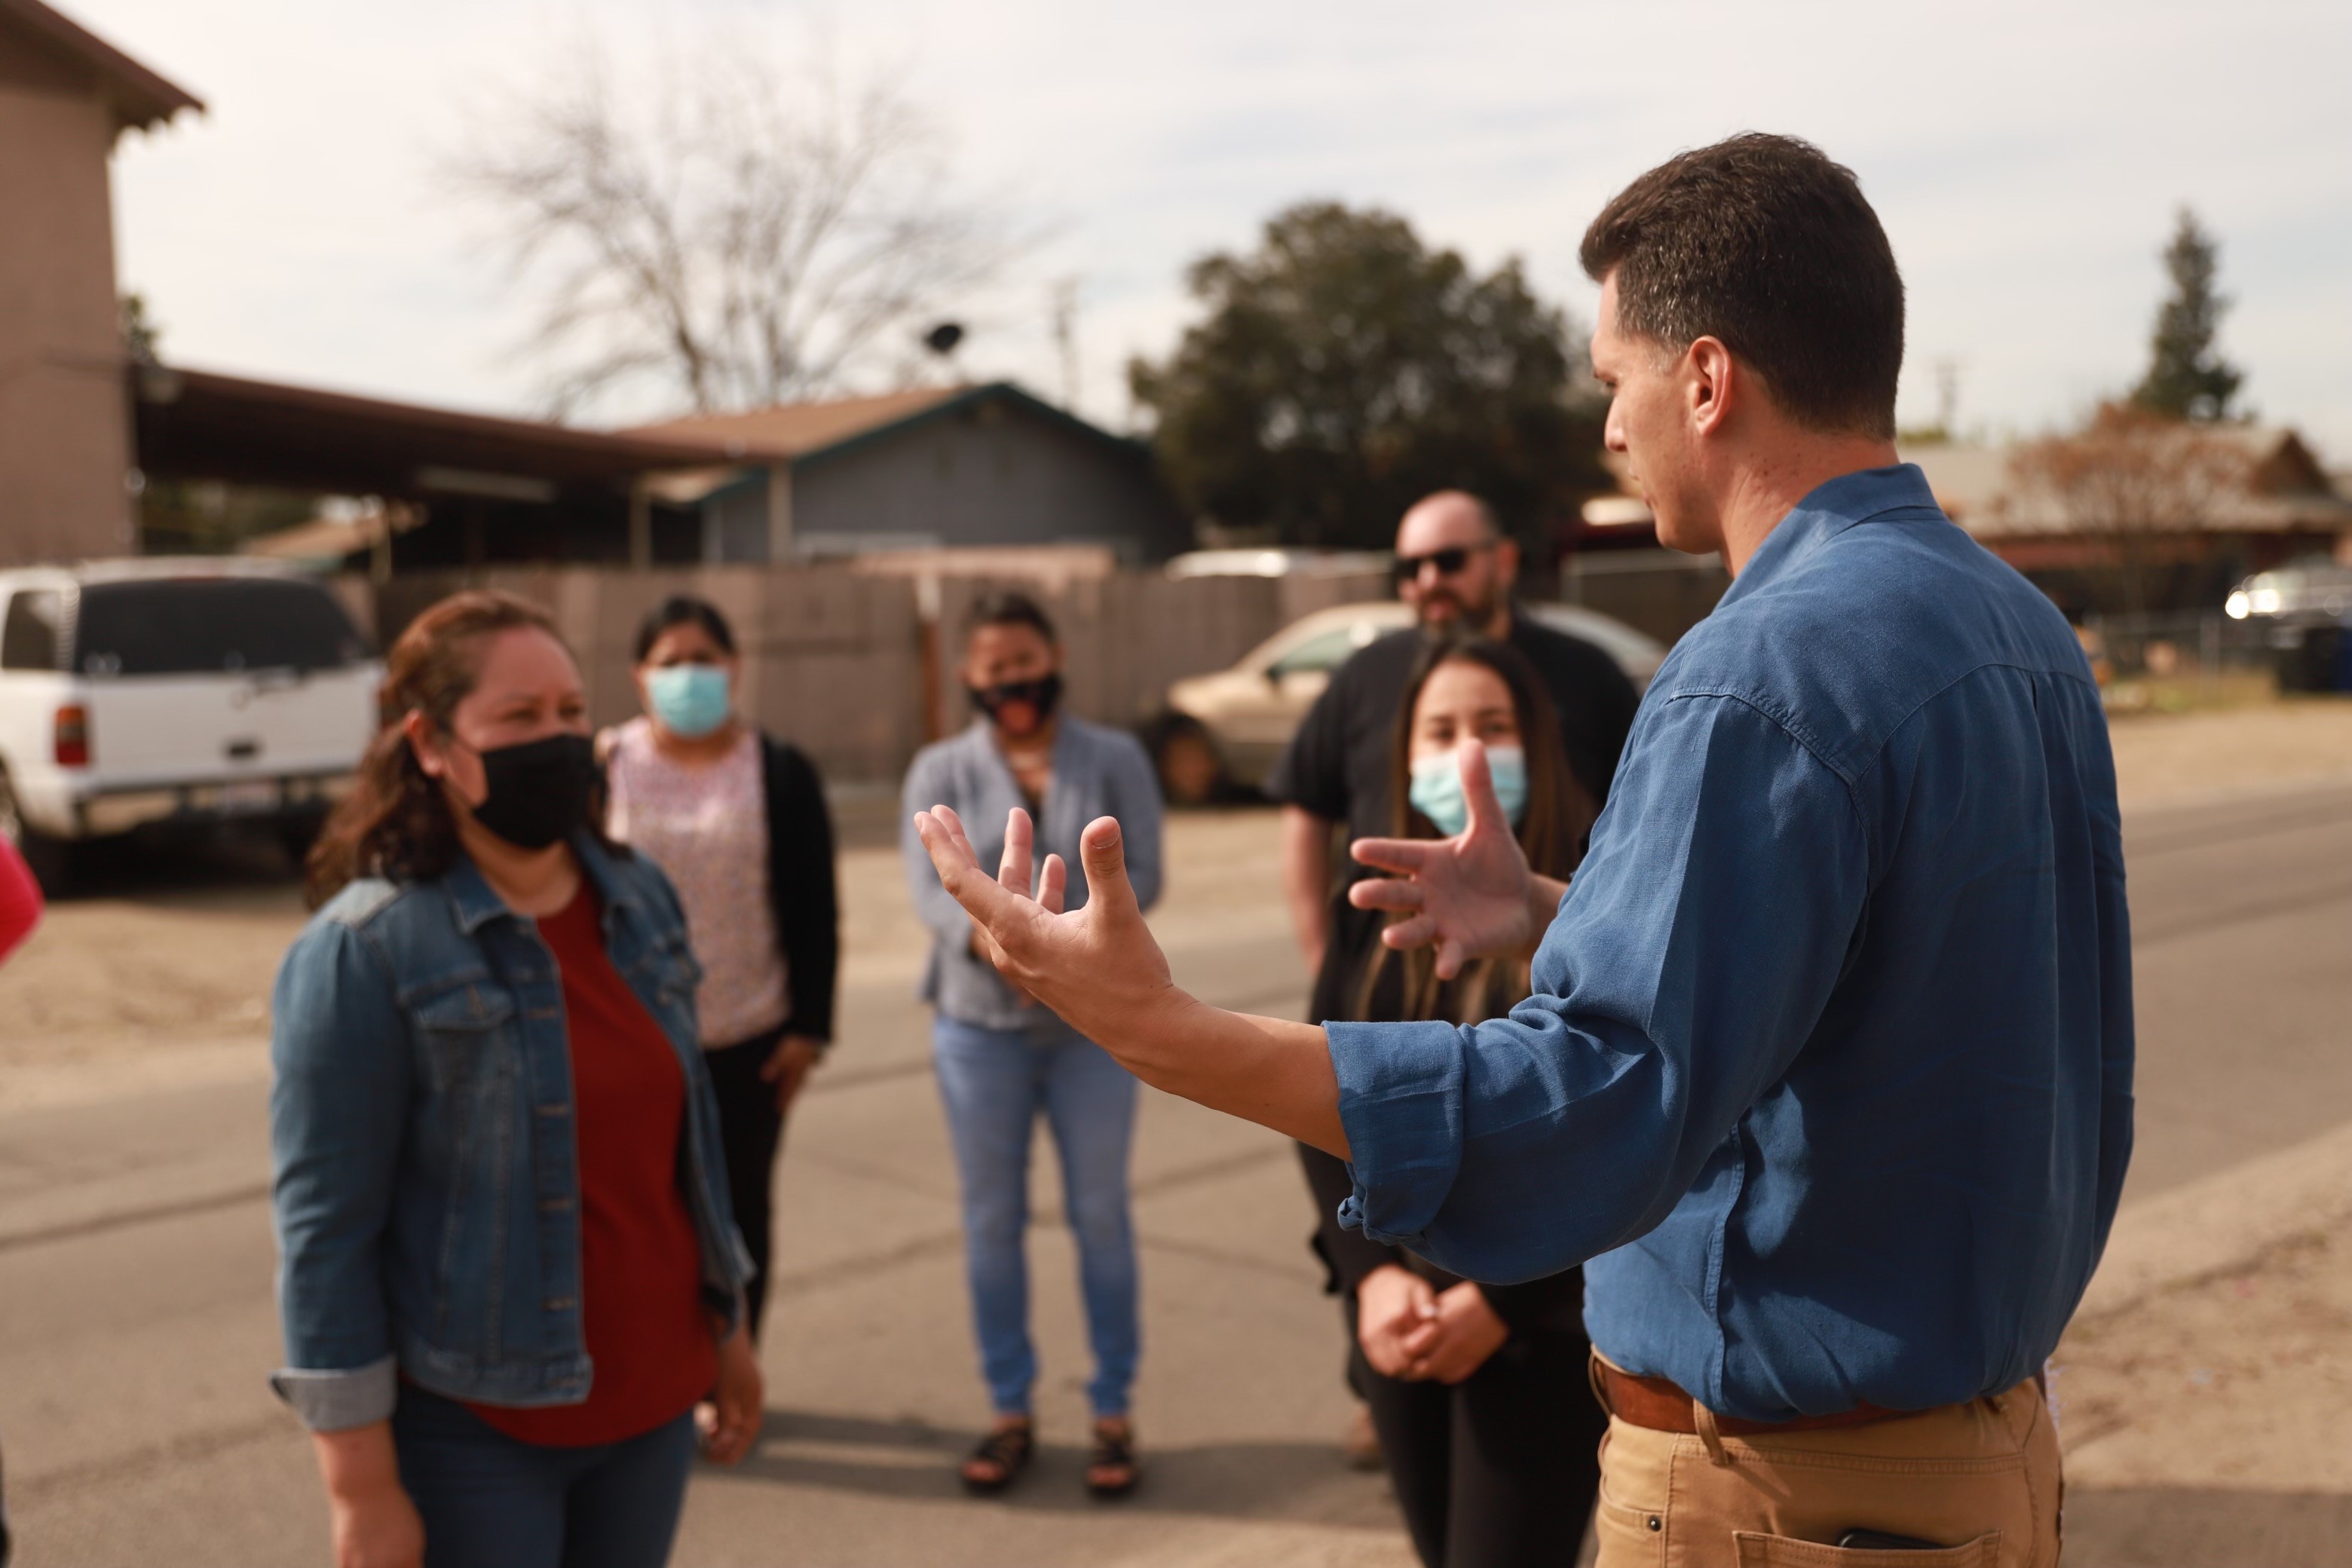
<point x="1227" y="729"/>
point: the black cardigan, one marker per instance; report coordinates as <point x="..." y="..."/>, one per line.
<point x="801" y="887"/>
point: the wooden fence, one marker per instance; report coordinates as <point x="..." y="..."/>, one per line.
<point x="860" y="669"/>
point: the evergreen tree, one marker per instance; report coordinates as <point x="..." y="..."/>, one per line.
<point x="2186" y="379"/>
<point x="1345" y="369"/>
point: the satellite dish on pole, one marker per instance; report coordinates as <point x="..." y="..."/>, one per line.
<point x="942" y="339"/>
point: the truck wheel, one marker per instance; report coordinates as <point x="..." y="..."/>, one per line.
<point x="1192" y="772"/>
<point x="50" y="860"/>
<point x="296" y="834"/>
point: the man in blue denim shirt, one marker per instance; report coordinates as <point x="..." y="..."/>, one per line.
<point x="1828" y="1069"/>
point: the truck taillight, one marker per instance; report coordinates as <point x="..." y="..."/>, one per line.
<point x="73" y="736"/>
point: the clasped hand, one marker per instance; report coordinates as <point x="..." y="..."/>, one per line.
<point x="1413" y="1332"/>
<point x="1473" y="895"/>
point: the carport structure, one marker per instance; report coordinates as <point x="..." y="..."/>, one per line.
<point x="497" y="490"/>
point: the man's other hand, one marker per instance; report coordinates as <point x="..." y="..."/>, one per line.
<point x="1099" y="967"/>
<point x="1471" y="895"/>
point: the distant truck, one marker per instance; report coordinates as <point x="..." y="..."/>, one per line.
<point x="2305" y="609"/>
<point x="165" y="692"/>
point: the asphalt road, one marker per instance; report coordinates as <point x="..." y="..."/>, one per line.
<point x="135" y="1258"/>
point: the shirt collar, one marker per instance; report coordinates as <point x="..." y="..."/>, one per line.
<point x="1829" y="510"/>
<point x="478" y="905"/>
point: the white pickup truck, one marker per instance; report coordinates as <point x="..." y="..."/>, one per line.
<point x="167" y="691"/>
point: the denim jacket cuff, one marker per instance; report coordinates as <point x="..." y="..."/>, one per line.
<point x="332" y="1401"/>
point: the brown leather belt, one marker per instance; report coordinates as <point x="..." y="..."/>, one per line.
<point x="1661" y="1406"/>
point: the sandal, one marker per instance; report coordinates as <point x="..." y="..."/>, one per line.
<point x="1008" y="1449"/>
<point x="1114" y="1450"/>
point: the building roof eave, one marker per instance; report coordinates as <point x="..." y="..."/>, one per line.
<point x="141" y="98"/>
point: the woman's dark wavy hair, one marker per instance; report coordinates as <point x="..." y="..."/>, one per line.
<point x="683" y="610"/>
<point x="395" y="822"/>
<point x="1560" y="813"/>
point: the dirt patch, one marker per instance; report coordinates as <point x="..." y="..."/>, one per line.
<point x="2163" y="759"/>
<point x="2240" y="1380"/>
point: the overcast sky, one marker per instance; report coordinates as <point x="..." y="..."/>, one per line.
<point x="2026" y="158"/>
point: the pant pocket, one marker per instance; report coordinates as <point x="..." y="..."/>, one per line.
<point x="1760" y="1550"/>
<point x="1629" y="1537"/>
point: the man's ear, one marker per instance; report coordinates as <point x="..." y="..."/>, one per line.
<point x="1506" y="560"/>
<point x="1713" y="384"/>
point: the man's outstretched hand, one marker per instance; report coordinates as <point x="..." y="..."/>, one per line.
<point x="1472" y="896"/>
<point x="1101" y="970"/>
<point x="1097" y="967"/>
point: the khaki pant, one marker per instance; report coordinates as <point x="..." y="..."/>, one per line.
<point x="1983" y="1477"/>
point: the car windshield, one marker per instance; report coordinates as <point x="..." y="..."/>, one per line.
<point x="211" y="626"/>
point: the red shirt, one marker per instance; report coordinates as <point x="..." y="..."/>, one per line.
<point x="640" y="1264"/>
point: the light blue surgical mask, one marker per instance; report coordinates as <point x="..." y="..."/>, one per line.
<point x="1437" y="788"/>
<point x="690" y="699"/>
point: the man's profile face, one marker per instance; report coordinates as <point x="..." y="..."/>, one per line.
<point x="1452" y="567"/>
<point x="1649" y="426"/>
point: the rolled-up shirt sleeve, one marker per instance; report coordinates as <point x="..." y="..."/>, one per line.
<point x="338" y="1111"/>
<point x="1688" y="962"/>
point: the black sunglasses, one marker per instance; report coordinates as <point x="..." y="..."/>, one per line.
<point x="1448" y="561"/>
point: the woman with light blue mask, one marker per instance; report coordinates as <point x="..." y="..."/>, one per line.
<point x="1477" y="1391"/>
<point x="738" y="820"/>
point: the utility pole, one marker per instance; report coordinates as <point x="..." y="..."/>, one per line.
<point x="1063" y="301"/>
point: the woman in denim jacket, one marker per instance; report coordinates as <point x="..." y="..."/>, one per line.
<point x="1002" y="1059"/>
<point x="508" y="1271"/>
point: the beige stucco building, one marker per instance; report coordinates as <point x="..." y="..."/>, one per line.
<point x="65" y="413"/>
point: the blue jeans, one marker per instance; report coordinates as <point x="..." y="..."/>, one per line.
<point x="994" y="1082"/>
<point x="489" y="1500"/>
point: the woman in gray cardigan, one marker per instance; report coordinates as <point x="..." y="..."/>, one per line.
<point x="1003" y="1058"/>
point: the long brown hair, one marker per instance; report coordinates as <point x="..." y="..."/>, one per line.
<point x="1551" y="833"/>
<point x="396" y="821"/>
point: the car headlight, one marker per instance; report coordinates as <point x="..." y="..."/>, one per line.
<point x="2235" y="605"/>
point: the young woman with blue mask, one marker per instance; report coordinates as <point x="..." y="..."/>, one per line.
<point x="1478" y="1392"/>
<point x="738" y="820"/>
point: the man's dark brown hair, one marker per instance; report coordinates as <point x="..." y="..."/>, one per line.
<point x="1763" y="242"/>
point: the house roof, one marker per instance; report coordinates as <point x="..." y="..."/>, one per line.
<point x="194" y="424"/>
<point x="795" y="431"/>
<point x="1979" y="488"/>
<point x="139" y="96"/>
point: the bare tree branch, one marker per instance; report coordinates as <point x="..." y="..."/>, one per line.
<point x="2133" y="480"/>
<point x="720" y="231"/>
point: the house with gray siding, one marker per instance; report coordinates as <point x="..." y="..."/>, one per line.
<point x="930" y="468"/>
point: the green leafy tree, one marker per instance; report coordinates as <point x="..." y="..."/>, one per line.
<point x="2187" y="377"/>
<point x="1344" y="370"/>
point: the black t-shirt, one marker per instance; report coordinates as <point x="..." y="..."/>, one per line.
<point x="1337" y="766"/>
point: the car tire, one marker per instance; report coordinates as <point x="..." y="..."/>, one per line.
<point x="1184" y="754"/>
<point x="51" y="860"/>
<point x="296" y="834"/>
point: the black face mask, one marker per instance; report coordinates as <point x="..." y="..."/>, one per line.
<point x="1039" y="696"/>
<point x="540" y="792"/>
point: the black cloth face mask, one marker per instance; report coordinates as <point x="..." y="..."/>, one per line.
<point x="1040" y="695"/>
<point x="540" y="791"/>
